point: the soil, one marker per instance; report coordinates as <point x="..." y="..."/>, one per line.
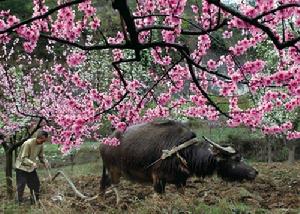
<point x="276" y="190"/>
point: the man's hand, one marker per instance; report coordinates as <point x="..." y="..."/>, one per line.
<point x="34" y="165"/>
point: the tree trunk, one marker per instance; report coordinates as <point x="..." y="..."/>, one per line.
<point x="291" y="158"/>
<point x="269" y="150"/>
<point x="8" y="173"/>
<point x="72" y="159"/>
<point x="72" y="163"/>
<point x="16" y="154"/>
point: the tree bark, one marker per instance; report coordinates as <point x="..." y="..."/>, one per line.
<point x="269" y="150"/>
<point x="72" y="159"/>
<point x="291" y="158"/>
<point x="16" y="154"/>
<point x="8" y="173"/>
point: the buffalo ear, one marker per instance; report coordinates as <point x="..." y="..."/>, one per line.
<point x="216" y="151"/>
<point x="117" y="134"/>
<point x="219" y="157"/>
<point x="237" y="157"/>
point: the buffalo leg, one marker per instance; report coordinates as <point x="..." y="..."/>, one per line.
<point x="180" y="188"/>
<point x="115" y="175"/>
<point x="105" y="180"/>
<point x="158" y="184"/>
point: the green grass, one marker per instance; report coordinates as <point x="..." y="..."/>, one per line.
<point x="1" y="150"/>
<point x="51" y="149"/>
<point x="179" y="205"/>
<point x="220" y="134"/>
<point x="2" y="176"/>
<point x="78" y="169"/>
<point x="244" y="102"/>
<point x="222" y="207"/>
<point x="225" y="207"/>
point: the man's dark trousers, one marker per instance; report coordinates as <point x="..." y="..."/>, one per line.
<point x="32" y="181"/>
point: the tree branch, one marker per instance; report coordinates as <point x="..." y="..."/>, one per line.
<point x="281" y="7"/>
<point x="16" y="145"/>
<point x="195" y="80"/>
<point x="157" y="82"/>
<point x="155" y="27"/>
<point x="113" y="106"/>
<point x="10" y="29"/>
<point x="254" y="22"/>
<point x="87" y="48"/>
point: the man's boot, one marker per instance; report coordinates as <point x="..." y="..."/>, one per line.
<point x="19" y="198"/>
<point x="34" y="198"/>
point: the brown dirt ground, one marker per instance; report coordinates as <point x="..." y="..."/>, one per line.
<point x="276" y="190"/>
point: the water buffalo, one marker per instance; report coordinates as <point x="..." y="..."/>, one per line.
<point x="142" y="145"/>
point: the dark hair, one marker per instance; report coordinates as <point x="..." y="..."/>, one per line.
<point x="42" y="133"/>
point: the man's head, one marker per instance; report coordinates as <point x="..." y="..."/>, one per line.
<point x="41" y="137"/>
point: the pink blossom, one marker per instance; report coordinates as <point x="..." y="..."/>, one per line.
<point x="76" y="101"/>
<point x="111" y="141"/>
<point x="168" y="36"/>
<point x="12" y="20"/>
<point x="95" y="23"/>
<point x="195" y="8"/>
<point x="29" y="47"/>
<point x="211" y="64"/>
<point x="2" y="25"/>
<point x="293" y="135"/>
<point x="121" y="126"/>
<point x="76" y="59"/>
<point x="227" y="34"/>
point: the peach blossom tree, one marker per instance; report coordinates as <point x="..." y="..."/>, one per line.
<point x="177" y="38"/>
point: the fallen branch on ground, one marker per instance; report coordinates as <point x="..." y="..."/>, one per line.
<point x="77" y="192"/>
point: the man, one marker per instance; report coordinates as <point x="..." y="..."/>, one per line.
<point x="26" y="165"/>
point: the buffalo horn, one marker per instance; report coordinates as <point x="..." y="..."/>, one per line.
<point x="228" y="149"/>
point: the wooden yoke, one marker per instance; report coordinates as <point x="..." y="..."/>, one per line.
<point x="168" y="153"/>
